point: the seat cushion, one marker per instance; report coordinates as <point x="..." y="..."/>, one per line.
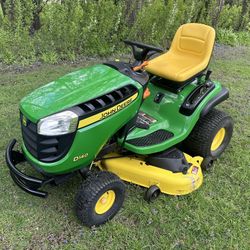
<point x="177" y="68"/>
<point x="189" y="54"/>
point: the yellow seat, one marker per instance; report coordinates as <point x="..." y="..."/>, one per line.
<point x="188" y="55"/>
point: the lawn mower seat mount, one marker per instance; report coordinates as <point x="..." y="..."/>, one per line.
<point x="189" y="54"/>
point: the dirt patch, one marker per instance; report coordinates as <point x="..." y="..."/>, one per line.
<point x="228" y="52"/>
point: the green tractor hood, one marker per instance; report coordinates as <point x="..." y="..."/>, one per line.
<point x="72" y="89"/>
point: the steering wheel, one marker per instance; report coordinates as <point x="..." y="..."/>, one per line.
<point x="140" y="50"/>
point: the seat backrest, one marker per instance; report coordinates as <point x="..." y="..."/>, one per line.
<point x="194" y="38"/>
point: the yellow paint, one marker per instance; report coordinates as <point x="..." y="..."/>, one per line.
<point x="79" y="157"/>
<point x="218" y="139"/>
<point x="106" y="113"/>
<point x="105" y="202"/>
<point x="188" y="55"/>
<point x="135" y="170"/>
<point x="24" y="121"/>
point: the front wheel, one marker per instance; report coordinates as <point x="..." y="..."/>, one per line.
<point x="211" y="135"/>
<point x="100" y="198"/>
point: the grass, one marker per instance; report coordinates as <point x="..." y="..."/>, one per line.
<point x="214" y="217"/>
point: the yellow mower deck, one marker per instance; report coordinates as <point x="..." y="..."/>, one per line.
<point x="135" y="170"/>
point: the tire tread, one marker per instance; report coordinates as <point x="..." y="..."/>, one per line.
<point x="94" y="184"/>
<point x="199" y="140"/>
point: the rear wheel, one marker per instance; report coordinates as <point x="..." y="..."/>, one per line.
<point x="211" y="135"/>
<point x="100" y="198"/>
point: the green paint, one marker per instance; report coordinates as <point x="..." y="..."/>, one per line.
<point x="88" y="140"/>
<point x="168" y="117"/>
<point x="72" y="89"/>
<point x="88" y="83"/>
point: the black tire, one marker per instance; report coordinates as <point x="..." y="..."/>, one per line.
<point x="207" y="163"/>
<point x="90" y="193"/>
<point x="152" y="193"/>
<point x="200" y="140"/>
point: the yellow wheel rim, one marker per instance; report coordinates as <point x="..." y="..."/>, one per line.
<point x="218" y="139"/>
<point x="105" y="202"/>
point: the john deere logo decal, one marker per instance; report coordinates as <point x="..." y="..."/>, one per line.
<point x="116" y="108"/>
<point x="108" y="112"/>
<point x="24" y="121"/>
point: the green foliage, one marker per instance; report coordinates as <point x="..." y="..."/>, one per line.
<point x="50" y="31"/>
<point x="19" y="14"/>
<point x="49" y="57"/>
<point x="244" y="38"/>
<point x="229" y="17"/>
<point x="228" y="36"/>
<point x="16" y="48"/>
<point x="151" y="23"/>
<point x="248" y="27"/>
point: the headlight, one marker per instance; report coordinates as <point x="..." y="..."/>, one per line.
<point x="58" y="124"/>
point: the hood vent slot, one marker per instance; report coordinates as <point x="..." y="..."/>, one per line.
<point x="108" y="100"/>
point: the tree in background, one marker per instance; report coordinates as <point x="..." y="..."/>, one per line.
<point x="52" y="30"/>
<point x="36" y="11"/>
<point x="2" y="4"/>
<point x="218" y="9"/>
<point x="244" y="16"/>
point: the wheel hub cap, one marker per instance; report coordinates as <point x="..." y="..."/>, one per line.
<point x="105" y="202"/>
<point x="218" y="139"/>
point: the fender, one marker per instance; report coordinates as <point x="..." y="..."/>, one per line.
<point x="222" y="96"/>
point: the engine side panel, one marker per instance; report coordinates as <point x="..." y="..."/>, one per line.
<point x="92" y="134"/>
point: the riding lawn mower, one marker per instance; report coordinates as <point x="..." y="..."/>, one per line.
<point x="150" y="122"/>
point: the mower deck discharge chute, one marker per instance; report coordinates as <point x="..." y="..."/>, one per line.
<point x="131" y="121"/>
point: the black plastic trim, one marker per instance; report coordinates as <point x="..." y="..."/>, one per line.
<point x="143" y="45"/>
<point x="27" y="183"/>
<point x="158" y="97"/>
<point x="171" y="159"/>
<point x="154" y="138"/>
<point x="222" y="96"/>
<point x="193" y="100"/>
<point x="172" y="86"/>
<point x="45" y="148"/>
<point x="140" y="76"/>
<point x="141" y="50"/>
<point x="108" y="99"/>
